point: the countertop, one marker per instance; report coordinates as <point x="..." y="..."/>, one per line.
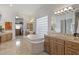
<point x="2" y="33"/>
<point x="64" y="37"/>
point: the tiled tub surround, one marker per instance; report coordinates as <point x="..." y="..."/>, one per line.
<point x="35" y="44"/>
<point x="59" y="44"/>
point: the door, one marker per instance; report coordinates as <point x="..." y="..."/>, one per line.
<point x="47" y="44"/>
<point x="52" y="46"/>
<point x="19" y="29"/>
<point x="60" y="49"/>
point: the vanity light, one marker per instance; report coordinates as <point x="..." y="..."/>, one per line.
<point x="70" y="8"/>
<point x="58" y="12"/>
<point x="62" y="10"/>
<point x="65" y="9"/>
<point x="55" y="12"/>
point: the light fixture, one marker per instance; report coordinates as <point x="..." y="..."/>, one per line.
<point x="62" y="10"/>
<point x="65" y="9"/>
<point x="55" y="12"/>
<point x="16" y="17"/>
<point x="70" y="8"/>
<point x="58" y="12"/>
<point x="32" y="20"/>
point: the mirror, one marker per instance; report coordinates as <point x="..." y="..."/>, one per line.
<point x="63" y="26"/>
<point x="69" y="26"/>
<point x="63" y="23"/>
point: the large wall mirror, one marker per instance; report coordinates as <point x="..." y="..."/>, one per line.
<point x="77" y="21"/>
<point x="63" y="23"/>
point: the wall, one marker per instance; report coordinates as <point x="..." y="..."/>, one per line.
<point x="44" y="12"/>
<point x="7" y="15"/>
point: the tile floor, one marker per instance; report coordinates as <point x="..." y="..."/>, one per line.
<point x="16" y="47"/>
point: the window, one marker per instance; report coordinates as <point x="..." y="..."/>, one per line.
<point x="42" y="26"/>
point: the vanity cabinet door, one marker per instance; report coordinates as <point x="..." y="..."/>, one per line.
<point x="52" y="47"/>
<point x="47" y="44"/>
<point x="3" y="38"/>
<point x="60" y="49"/>
<point x="57" y="48"/>
<point x="9" y="36"/>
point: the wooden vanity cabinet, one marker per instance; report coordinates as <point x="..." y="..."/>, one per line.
<point x="54" y="46"/>
<point x="6" y="37"/>
<point x="61" y="46"/>
<point x="58" y="47"/>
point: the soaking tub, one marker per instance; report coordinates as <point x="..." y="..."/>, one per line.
<point x="35" y="43"/>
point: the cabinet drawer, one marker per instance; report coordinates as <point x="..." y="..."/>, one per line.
<point x="60" y="49"/>
<point x="72" y="45"/>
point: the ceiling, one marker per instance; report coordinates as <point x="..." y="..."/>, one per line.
<point x="31" y="9"/>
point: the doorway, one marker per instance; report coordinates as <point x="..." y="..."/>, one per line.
<point x="18" y="27"/>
